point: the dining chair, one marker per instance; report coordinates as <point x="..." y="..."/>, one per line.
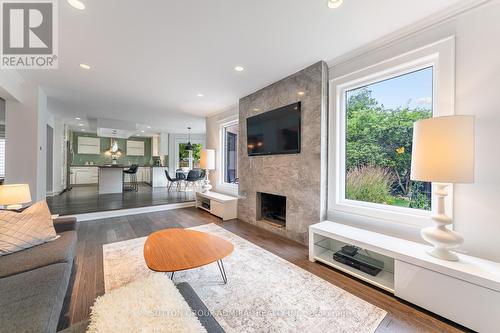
<point x="193" y="178"/>
<point x="172" y="181"/>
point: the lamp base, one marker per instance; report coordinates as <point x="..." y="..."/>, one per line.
<point x="206" y="184"/>
<point x="440" y="236"/>
<point x="443" y="240"/>
<point x="443" y="254"/>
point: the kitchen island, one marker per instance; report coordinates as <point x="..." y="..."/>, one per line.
<point x="110" y="179"/>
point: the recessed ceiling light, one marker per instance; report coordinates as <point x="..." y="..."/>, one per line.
<point x="239" y="68"/>
<point x="78" y="118"/>
<point x="200" y="95"/>
<point x="149" y="126"/>
<point x="84" y="66"/>
<point x="80" y="124"/>
<point x="83" y="129"/>
<point x="142" y="131"/>
<point x="77" y="4"/>
<point x="256" y="109"/>
<point x="301" y="93"/>
<point x="335" y="3"/>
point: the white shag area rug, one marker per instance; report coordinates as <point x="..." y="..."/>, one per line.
<point x="264" y="293"/>
<point x="150" y="304"/>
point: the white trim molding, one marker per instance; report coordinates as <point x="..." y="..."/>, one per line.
<point x="221" y="186"/>
<point x="131" y="211"/>
<point x="440" y="56"/>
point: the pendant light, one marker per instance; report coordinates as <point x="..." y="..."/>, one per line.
<point x="189" y="146"/>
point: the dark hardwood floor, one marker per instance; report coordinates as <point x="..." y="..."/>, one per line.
<point x="86" y="199"/>
<point x="88" y="278"/>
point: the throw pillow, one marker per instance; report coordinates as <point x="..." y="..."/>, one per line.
<point x="22" y="230"/>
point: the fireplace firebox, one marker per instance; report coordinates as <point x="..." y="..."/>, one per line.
<point x="271" y="208"/>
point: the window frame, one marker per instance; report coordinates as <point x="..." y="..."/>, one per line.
<point x="439" y="56"/>
<point x="221" y="184"/>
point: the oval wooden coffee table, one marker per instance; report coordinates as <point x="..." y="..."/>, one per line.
<point x="173" y="250"/>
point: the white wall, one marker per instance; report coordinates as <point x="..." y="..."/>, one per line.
<point x="26" y="122"/>
<point x="21" y="136"/>
<point x="42" y="121"/>
<point x="476" y="206"/>
<point x="213" y="123"/>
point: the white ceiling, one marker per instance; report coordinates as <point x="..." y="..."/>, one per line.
<point x="150" y="59"/>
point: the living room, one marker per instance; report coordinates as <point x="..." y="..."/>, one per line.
<point x="250" y="167"/>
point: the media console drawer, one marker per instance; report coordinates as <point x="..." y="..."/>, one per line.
<point x="466" y="303"/>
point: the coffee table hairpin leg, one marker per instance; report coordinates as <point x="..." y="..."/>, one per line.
<point x="222" y="270"/>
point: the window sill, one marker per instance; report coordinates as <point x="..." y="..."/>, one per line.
<point x="399" y="229"/>
<point x="229" y="189"/>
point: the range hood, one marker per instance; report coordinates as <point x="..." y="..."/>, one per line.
<point x="110" y="128"/>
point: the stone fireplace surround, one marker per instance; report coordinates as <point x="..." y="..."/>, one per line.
<point x="301" y="178"/>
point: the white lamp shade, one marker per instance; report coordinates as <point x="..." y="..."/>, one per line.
<point x="207" y="159"/>
<point x="14" y="194"/>
<point x="443" y="150"/>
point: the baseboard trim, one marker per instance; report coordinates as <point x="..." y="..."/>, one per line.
<point x="130" y="211"/>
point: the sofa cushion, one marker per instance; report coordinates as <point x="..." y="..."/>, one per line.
<point x="199" y="308"/>
<point x="25" y="229"/>
<point x="61" y="250"/>
<point x="32" y="301"/>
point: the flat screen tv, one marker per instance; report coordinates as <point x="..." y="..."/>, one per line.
<point x="274" y="132"/>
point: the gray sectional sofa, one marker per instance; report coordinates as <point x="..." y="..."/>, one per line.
<point x="33" y="282"/>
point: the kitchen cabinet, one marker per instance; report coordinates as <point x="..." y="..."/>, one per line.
<point x="155" y="146"/>
<point x="163" y="144"/>
<point x="83" y="175"/>
<point x="144" y="174"/>
<point x="158" y="177"/>
<point x="135" y="148"/>
<point x="87" y="145"/>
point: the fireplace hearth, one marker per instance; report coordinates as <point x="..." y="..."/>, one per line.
<point x="271" y="208"/>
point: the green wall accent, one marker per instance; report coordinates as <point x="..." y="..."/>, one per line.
<point x="102" y="159"/>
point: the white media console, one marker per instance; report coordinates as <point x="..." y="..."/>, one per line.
<point x="466" y="292"/>
<point x="221" y="205"/>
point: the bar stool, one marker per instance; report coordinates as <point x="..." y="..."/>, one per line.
<point x="132" y="172"/>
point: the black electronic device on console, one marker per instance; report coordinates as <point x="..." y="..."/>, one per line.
<point x="350" y="250"/>
<point x="349" y="255"/>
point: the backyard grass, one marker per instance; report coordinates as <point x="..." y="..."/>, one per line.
<point x="401" y="202"/>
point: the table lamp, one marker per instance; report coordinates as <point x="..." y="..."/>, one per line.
<point x="14" y="196"/>
<point x="443" y="153"/>
<point x="207" y="162"/>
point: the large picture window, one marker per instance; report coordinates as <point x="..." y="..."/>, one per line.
<point x="372" y="112"/>
<point x="230" y="153"/>
<point x="227" y="156"/>
<point x="378" y="138"/>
